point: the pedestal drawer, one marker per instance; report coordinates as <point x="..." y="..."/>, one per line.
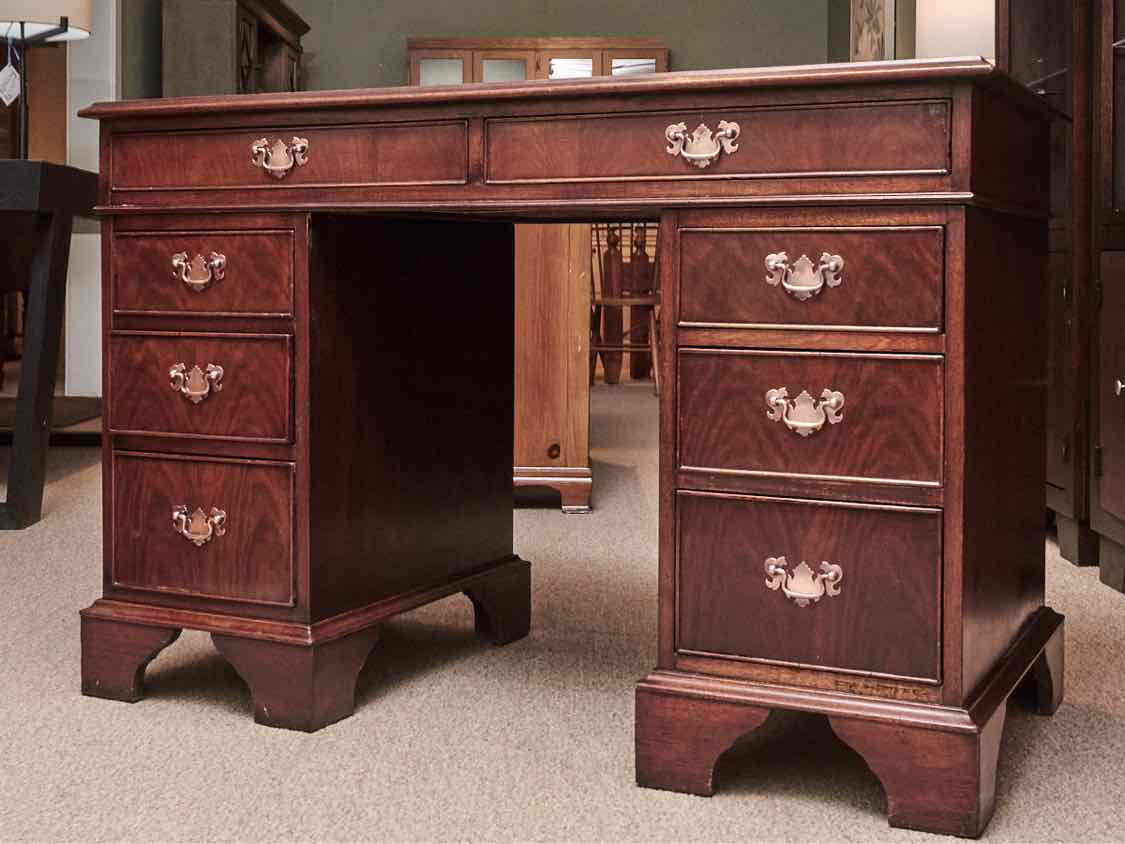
<point x="877" y="278"/>
<point x="205" y="527"/>
<point x="218" y="386"/>
<point x="835" y="416"/>
<point x="204" y="272"/>
<point x="850" y="587"/>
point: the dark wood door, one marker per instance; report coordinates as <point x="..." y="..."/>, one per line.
<point x="1110" y="384"/>
<point x="1059" y="377"/>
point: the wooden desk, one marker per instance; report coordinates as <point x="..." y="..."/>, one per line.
<point x="852" y="505"/>
<point x="38" y="204"/>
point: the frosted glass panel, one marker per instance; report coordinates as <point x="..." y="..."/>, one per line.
<point x="503" y="70"/>
<point x="571" y="68"/>
<point x="632" y="67"/>
<point x="441" y="71"/>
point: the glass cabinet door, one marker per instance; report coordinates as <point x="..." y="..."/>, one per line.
<point x="570" y="64"/>
<point x="632" y="62"/>
<point x="503" y="65"/>
<point x="1116" y="60"/>
<point x="440" y="67"/>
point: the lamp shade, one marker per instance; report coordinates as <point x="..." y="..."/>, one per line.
<point x="39" y="16"/>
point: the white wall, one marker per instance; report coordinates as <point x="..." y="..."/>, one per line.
<point x="91" y="76"/>
<point x="955" y="28"/>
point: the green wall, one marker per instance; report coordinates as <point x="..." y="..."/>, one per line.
<point x="140" y="24"/>
<point x="362" y="43"/>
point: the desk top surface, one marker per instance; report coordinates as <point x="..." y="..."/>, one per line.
<point x="944" y="69"/>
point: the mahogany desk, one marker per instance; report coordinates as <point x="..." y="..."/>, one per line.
<point x="853" y="269"/>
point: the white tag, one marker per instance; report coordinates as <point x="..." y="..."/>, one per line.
<point x="9" y="84"/>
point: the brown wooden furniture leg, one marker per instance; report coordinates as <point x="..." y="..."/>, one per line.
<point x="300" y="687"/>
<point x="115" y="655"/>
<point x="1077" y="543"/>
<point x="502" y="604"/>
<point x="935" y="781"/>
<point x="1048" y="674"/>
<point x="679" y="739"/>
<point x="1111" y="561"/>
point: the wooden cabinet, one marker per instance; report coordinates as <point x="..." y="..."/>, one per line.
<point x="1047" y="45"/>
<point x="1107" y="385"/>
<point x="230" y="47"/>
<point x="552" y="417"/>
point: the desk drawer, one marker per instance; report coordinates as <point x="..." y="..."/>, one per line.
<point x="209" y="528"/>
<point x="244" y="273"/>
<point x="343" y="156"/>
<point x="884" y="620"/>
<point x="872" y="279"/>
<point x="850" y="417"/>
<point x="775" y="142"/>
<point x="234" y="387"/>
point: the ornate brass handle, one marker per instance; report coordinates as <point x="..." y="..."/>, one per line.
<point x="278" y="158"/>
<point x="199" y="528"/>
<point x="1118" y="387"/>
<point x="803" y="414"/>
<point x="196" y="384"/>
<point x="198" y="273"/>
<point x="702" y="146"/>
<point x="801" y="585"/>
<point x="803" y="281"/>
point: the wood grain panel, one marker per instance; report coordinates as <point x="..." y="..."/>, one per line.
<point x="891" y="426"/>
<point x="258" y="278"/>
<point x="252" y="562"/>
<point x="866" y="139"/>
<point x="886" y="619"/>
<point x="254" y="402"/>
<point x="399" y="154"/>
<point x="892" y="278"/>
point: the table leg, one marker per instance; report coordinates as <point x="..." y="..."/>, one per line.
<point x="42" y="331"/>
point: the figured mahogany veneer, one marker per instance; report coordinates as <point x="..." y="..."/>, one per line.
<point x="252" y="561"/>
<point x="891" y="279"/>
<point x="862" y="140"/>
<point x="252" y="401"/>
<point x="889" y="430"/>
<point x="724" y="601"/>
<point x="924" y="488"/>
<point x="402" y="154"/>
<point x="257" y="279"/>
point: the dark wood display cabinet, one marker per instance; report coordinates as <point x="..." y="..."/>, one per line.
<point x="1107" y="487"/>
<point x="1047" y="45"/>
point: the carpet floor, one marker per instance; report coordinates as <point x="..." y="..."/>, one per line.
<point x="454" y="740"/>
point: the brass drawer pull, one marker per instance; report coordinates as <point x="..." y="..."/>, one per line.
<point x="278" y="158"/>
<point x="1118" y="386"/>
<point x="196" y="384"/>
<point x="801" y="585"/>
<point x="702" y="146"/>
<point x="198" y="273"/>
<point x="199" y="528"/>
<point x="803" y="414"/>
<point x="803" y="281"/>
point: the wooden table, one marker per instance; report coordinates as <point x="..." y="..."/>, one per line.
<point x="38" y="204"/>
<point x="851" y="520"/>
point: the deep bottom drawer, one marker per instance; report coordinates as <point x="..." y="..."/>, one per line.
<point x="883" y="619"/>
<point x="205" y="527"/>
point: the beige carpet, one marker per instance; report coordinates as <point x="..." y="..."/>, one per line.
<point x="454" y="740"/>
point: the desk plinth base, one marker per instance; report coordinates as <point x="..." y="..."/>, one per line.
<point x="301" y="676"/>
<point x="937" y="764"/>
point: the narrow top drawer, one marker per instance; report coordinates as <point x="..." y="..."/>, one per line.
<point x="772" y="142"/>
<point x="868" y="278"/>
<point x="343" y="156"/>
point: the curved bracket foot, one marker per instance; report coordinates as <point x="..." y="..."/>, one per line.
<point x="115" y="655"/>
<point x="300" y="687"/>
<point x="502" y="603"/>
<point x="935" y="781"/>
<point x="679" y="739"/>
<point x="1047" y="674"/>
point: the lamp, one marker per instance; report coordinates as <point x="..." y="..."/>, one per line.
<point x="25" y="23"/>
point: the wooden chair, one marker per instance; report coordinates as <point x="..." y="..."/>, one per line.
<point x="619" y="286"/>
